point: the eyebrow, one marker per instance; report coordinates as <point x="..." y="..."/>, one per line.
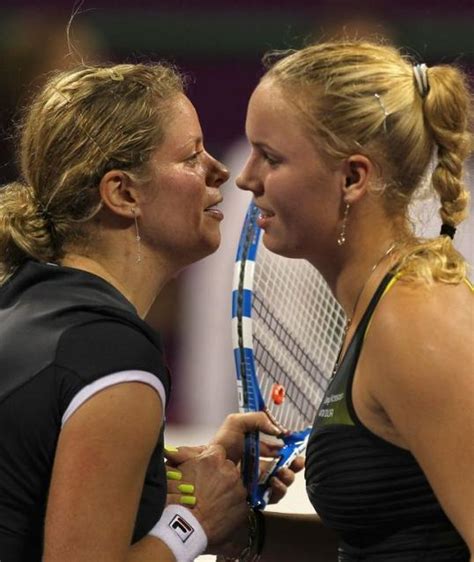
<point x="264" y="146"/>
<point x="194" y="141"/>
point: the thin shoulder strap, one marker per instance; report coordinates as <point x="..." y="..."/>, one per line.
<point x="353" y="350"/>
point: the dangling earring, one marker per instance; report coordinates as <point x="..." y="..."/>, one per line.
<point x="342" y="235"/>
<point x="137" y="235"/>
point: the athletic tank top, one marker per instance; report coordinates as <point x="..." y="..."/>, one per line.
<point x="373" y="493"/>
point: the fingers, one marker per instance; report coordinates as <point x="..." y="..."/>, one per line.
<point x="279" y="484"/>
<point x="270" y="449"/>
<point x="284" y="478"/>
<point x="231" y="433"/>
<point x="214" y="451"/>
<point x="179" y="490"/>
<point x="187" y="500"/>
<point x="298" y="464"/>
<point x="252" y="422"/>
<point x="176" y="456"/>
<point x="278" y="490"/>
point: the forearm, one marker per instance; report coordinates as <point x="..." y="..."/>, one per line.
<point x="150" y="549"/>
<point x="297" y="537"/>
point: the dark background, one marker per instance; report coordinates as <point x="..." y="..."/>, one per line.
<point x="219" y="45"/>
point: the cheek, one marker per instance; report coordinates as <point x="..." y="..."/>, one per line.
<point x="307" y="205"/>
<point x="184" y="193"/>
<point x="291" y="195"/>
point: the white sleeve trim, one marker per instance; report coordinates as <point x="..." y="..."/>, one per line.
<point x="110" y="380"/>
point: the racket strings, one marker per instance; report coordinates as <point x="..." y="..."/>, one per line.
<point x="297" y="330"/>
<point x="281" y="360"/>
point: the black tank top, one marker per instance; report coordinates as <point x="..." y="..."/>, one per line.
<point x="371" y="492"/>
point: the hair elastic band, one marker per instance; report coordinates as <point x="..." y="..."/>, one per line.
<point x="447" y="230"/>
<point x="420" y="72"/>
<point x="382" y="105"/>
<point x="45" y="214"/>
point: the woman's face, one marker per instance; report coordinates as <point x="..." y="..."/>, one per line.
<point x="299" y="196"/>
<point x="178" y="210"/>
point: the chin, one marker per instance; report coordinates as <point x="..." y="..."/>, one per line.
<point x="208" y="247"/>
<point x="283" y="249"/>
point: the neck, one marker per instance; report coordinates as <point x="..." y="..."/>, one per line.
<point x="360" y="278"/>
<point x="378" y="263"/>
<point x="140" y="283"/>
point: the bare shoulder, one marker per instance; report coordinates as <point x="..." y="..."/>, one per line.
<point x="421" y="339"/>
<point x="416" y="316"/>
<point x="418" y="298"/>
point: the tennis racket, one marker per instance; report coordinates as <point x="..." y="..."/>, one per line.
<point x="287" y="329"/>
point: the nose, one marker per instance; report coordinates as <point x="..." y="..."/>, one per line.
<point x="218" y="173"/>
<point x="247" y="179"/>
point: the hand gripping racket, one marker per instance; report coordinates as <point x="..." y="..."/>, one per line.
<point x="287" y="330"/>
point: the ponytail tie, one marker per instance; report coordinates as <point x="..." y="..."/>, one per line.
<point x="447" y="230"/>
<point x="420" y="72"/>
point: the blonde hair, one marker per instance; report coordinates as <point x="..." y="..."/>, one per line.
<point x="83" y="123"/>
<point x="362" y="97"/>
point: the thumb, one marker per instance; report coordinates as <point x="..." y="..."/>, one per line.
<point x="255" y="421"/>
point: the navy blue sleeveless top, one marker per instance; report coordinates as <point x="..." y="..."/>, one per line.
<point x="373" y="493"/>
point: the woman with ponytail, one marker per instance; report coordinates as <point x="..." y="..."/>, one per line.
<point x="343" y="135"/>
<point x="117" y="195"/>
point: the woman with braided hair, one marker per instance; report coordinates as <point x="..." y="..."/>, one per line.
<point x="342" y="135"/>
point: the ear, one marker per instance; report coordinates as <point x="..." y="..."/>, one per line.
<point x="119" y="193"/>
<point x="357" y="172"/>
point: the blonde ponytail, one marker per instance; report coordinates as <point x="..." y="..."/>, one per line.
<point x="24" y="231"/>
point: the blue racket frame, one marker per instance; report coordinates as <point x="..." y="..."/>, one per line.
<point x="250" y="397"/>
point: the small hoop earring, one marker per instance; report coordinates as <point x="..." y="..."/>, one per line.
<point x="137" y="235"/>
<point x="342" y="235"/>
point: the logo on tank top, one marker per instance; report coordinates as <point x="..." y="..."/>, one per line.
<point x="328" y="406"/>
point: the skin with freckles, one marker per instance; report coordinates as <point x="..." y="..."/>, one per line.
<point x="185" y="181"/>
<point x="172" y="209"/>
